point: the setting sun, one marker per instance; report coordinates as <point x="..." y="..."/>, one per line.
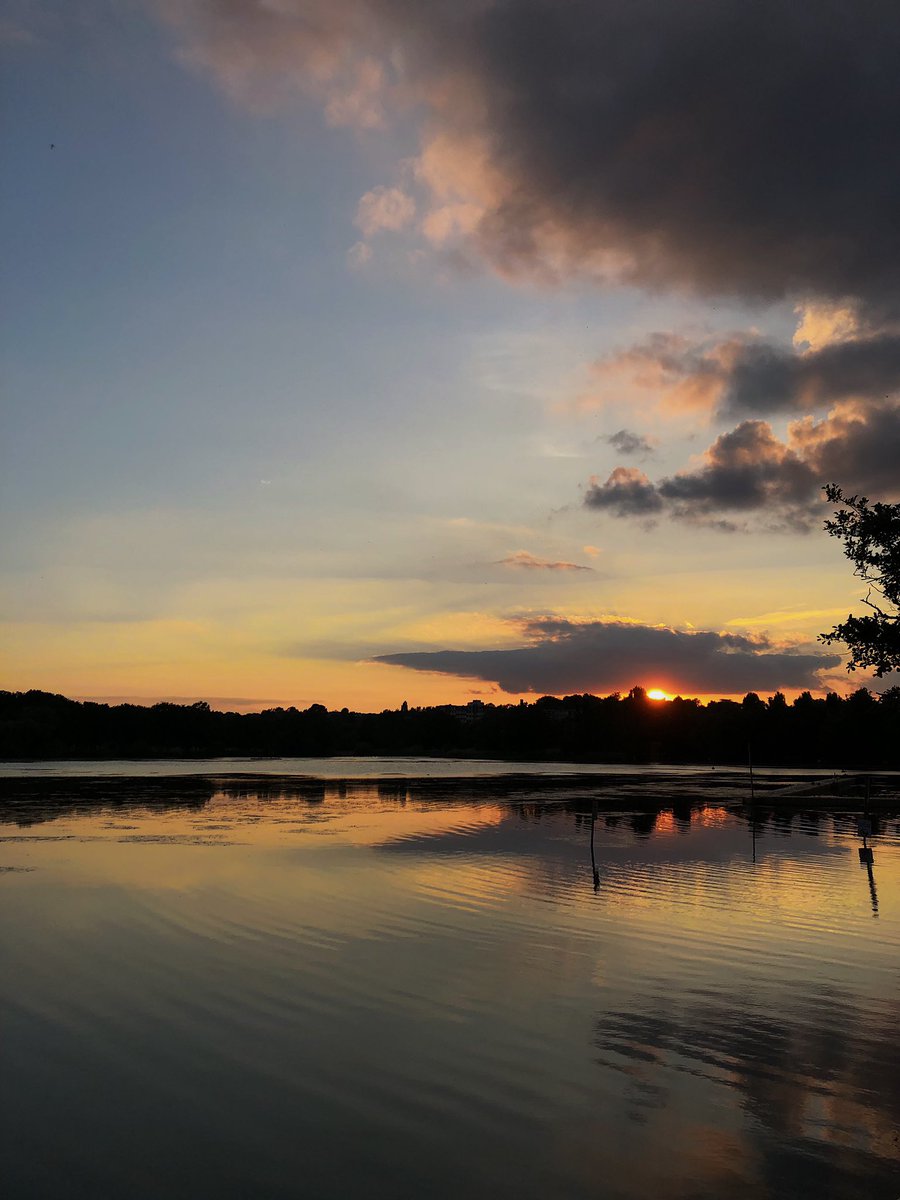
<point x="658" y="694"/>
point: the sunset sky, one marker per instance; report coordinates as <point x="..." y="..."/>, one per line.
<point x="361" y="351"/>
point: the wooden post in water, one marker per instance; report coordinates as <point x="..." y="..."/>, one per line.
<point x="750" y="765"/>
<point x="866" y="854"/>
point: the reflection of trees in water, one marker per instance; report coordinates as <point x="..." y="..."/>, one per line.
<point x="320" y="791"/>
<point x="682" y="814"/>
<point x="821" y="1085"/>
<point x="643" y="823"/>
<point x="810" y="826"/>
<point x="311" y="792"/>
<point x="393" y="792"/>
<point x="533" y="811"/>
<point x="33" y="802"/>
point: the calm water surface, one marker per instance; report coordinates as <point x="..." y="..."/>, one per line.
<point x="259" y="996"/>
<point x="371" y="767"/>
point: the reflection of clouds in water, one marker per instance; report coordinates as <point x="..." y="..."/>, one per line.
<point x="820" y="1080"/>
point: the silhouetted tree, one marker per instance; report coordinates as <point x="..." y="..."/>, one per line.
<point x="871" y="537"/>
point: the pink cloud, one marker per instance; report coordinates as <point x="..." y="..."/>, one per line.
<point x="530" y="562"/>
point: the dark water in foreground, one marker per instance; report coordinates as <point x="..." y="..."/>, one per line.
<point x="386" y="996"/>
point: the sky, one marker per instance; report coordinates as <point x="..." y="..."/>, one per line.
<point x="362" y="351"/>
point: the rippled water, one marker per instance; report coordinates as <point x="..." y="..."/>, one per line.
<point x="371" y="993"/>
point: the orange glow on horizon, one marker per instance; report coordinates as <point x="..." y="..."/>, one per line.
<point x="658" y="694"/>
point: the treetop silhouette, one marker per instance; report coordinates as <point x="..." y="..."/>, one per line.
<point x="871" y="537"/>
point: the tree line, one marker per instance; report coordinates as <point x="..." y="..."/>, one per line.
<point x="860" y="731"/>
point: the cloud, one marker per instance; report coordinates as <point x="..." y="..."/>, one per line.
<point x="747" y="468"/>
<point x="766" y="378"/>
<point x="562" y="657"/>
<point x="628" y="492"/>
<point x="726" y="146"/>
<point x="723" y="147"/>
<point x="856" y="445"/>
<point x="524" y="559"/>
<point x="384" y="208"/>
<point x="684" y="374"/>
<point x="358" y="255"/>
<point x="627" y="442"/>
<point x="750" y="472"/>
<point x="744" y="375"/>
<point x="359" y="102"/>
<point x="264" y="54"/>
<point x="839" y="358"/>
<point x="823" y="324"/>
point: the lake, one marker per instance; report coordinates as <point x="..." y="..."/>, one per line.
<point x="250" y="989"/>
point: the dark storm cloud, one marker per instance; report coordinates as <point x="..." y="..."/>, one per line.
<point x="765" y="378"/>
<point x="746" y="469"/>
<point x="750" y="472"/>
<point x="857" y="445"/>
<point x="627" y="493"/>
<point x="741" y="376"/>
<point x="726" y="146"/>
<point x="627" y="442"/>
<point x="563" y="657"/>
<point x="736" y="147"/>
